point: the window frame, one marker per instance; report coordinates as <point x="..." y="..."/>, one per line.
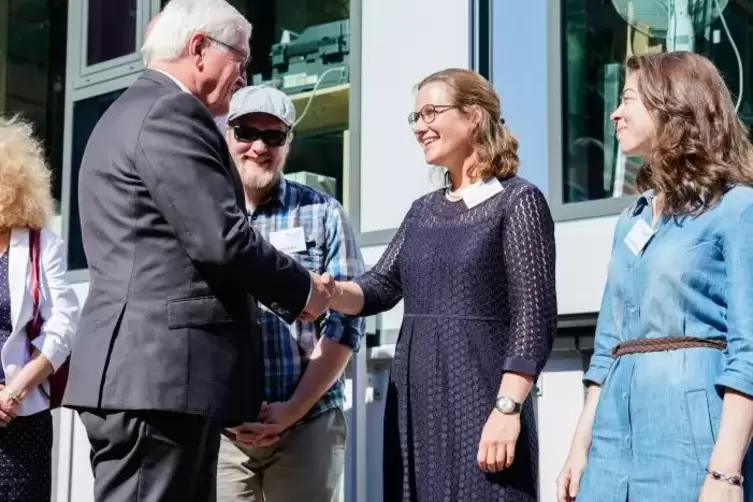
<point x="83" y="74"/>
<point x="74" y="96"/>
<point x="5" y="66"/>
<point x="561" y="210"/>
<point x="88" y="81"/>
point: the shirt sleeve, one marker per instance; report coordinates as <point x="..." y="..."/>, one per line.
<point x="529" y="255"/>
<point x="606" y="332"/>
<point x="382" y="285"/>
<point x="344" y="262"/>
<point x="737" y="242"/>
<point x="59" y="304"/>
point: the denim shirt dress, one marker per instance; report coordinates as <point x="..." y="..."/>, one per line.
<point x="658" y="415"/>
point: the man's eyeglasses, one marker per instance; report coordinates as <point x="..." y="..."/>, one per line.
<point x="428" y="113"/>
<point x="270" y="137"/>
<point x="241" y="58"/>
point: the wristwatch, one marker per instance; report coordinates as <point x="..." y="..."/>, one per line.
<point x="507" y="405"/>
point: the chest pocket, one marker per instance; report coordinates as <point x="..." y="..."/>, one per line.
<point x="312" y="258"/>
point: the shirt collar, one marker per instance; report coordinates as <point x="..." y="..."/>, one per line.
<point x="643" y="201"/>
<point x="279" y="195"/>
<point x="175" y="80"/>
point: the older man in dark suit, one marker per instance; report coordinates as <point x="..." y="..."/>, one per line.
<point x="164" y="358"/>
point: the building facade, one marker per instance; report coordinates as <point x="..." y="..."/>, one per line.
<point x="555" y="63"/>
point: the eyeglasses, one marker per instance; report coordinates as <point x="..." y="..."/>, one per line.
<point x="428" y="113"/>
<point x="240" y="57"/>
<point x="270" y="137"/>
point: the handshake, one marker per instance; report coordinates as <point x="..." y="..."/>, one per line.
<point x="323" y="290"/>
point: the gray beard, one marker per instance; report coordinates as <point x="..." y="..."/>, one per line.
<point x="262" y="183"/>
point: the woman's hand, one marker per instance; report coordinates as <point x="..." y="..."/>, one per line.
<point x="8" y="406"/>
<point x="718" y="490"/>
<point x="568" y="482"/>
<point x="496" y="450"/>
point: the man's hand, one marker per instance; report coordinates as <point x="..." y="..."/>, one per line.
<point x="322" y="289"/>
<point x="243" y="436"/>
<point x="274" y="419"/>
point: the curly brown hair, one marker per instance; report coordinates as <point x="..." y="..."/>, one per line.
<point x="25" y="194"/>
<point x="496" y="146"/>
<point x="701" y="147"/>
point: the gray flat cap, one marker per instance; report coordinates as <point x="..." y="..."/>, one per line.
<point x="262" y="99"/>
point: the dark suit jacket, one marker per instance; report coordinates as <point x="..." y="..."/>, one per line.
<point x="170" y="320"/>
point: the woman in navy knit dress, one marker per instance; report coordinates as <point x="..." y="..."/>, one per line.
<point x="475" y="266"/>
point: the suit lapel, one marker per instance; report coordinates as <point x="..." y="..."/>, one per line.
<point x="237" y="183"/>
<point x="18" y="266"/>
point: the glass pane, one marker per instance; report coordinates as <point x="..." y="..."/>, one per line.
<point x="597" y="38"/>
<point x="111" y="30"/>
<point x="32" y="71"/>
<point x="296" y="42"/>
<point x="86" y="113"/>
<point x="321" y="155"/>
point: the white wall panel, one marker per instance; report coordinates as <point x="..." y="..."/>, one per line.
<point x="583" y="251"/>
<point x="74" y="481"/>
<point x="403" y="41"/>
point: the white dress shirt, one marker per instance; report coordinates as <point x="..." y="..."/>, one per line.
<point x="177" y="82"/>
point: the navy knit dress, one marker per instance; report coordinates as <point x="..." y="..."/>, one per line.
<point x="26" y="443"/>
<point x="479" y="297"/>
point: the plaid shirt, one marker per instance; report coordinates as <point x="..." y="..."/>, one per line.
<point x="331" y="247"/>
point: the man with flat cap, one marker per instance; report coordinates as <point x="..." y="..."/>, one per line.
<point x="303" y="434"/>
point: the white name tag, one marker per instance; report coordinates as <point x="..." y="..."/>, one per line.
<point x="639" y="236"/>
<point x="290" y="240"/>
<point x="476" y="194"/>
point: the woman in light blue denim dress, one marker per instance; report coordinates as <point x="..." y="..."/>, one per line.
<point x="669" y="413"/>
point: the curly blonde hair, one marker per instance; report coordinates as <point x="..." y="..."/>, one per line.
<point x="25" y="180"/>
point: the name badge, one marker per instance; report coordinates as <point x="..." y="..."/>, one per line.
<point x="290" y="240"/>
<point x="639" y="236"/>
<point x="476" y="194"/>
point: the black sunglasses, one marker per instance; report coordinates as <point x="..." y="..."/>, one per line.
<point x="270" y="137"/>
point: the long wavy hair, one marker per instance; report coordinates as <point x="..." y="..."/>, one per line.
<point x="496" y="146"/>
<point x="701" y="147"/>
<point x="25" y="181"/>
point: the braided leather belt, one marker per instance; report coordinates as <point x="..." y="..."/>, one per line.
<point x="664" y="344"/>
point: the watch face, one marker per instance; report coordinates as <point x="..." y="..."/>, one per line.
<point x="505" y="404"/>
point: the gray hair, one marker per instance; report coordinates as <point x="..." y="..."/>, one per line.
<point x="181" y="19"/>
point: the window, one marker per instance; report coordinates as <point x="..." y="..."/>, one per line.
<point x="596" y="40"/>
<point x="32" y="71"/>
<point x="86" y="114"/>
<point x="302" y="47"/>
<point x="111" y="30"/>
<point x="320" y="154"/>
<point x="481" y="41"/>
<point x="299" y="46"/>
<point x="295" y="41"/>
